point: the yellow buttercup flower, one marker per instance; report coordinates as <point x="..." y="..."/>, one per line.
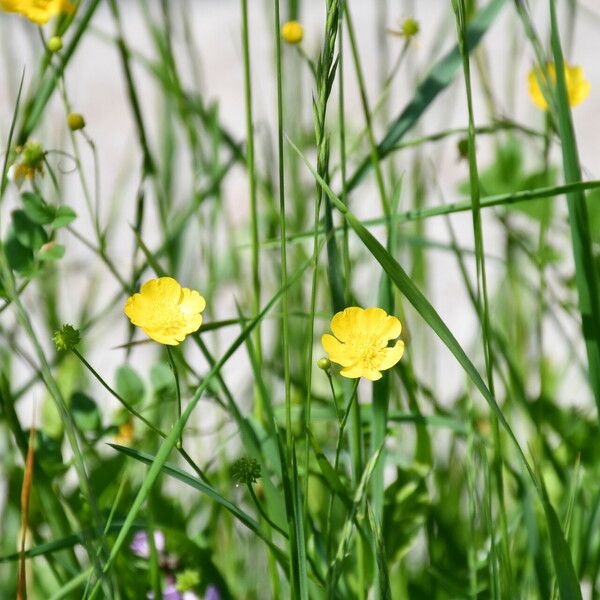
<point x="165" y="311"/>
<point x="37" y="11"/>
<point x="292" y="32"/>
<point x="578" y="87"/>
<point x="125" y="433"/>
<point x="361" y="341"/>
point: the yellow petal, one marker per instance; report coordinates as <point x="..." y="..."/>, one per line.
<point x="191" y="302"/>
<point x="381" y="326"/>
<point x="390" y="356"/>
<point x="338" y="353"/>
<point x="345" y="323"/>
<point x="138" y="309"/>
<point x="164" y="290"/>
<point x="355" y="371"/>
<point x="9" y="5"/>
<point x="535" y="91"/>
<point x="164" y="336"/>
<point x="578" y="87"/>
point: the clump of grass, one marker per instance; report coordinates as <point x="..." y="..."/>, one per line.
<point x="233" y="452"/>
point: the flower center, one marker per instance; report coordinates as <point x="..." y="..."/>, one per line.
<point x="370" y="357"/>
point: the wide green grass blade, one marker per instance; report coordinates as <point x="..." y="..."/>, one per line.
<point x="385" y="592"/>
<point x="568" y="584"/>
<point x="586" y="276"/>
<point x="439" y="78"/>
<point x="359" y="495"/>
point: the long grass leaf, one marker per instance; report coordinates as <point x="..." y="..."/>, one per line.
<point x="586" y="276"/>
<point x="438" y="79"/>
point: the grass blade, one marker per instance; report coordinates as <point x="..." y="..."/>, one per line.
<point x="439" y="78"/>
<point x="585" y="269"/>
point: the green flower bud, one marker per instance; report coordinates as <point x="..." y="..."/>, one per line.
<point x="409" y="28"/>
<point x="55" y="43"/>
<point x="245" y="470"/>
<point x="32" y="154"/>
<point x="66" y="338"/>
<point x="463" y="147"/>
<point x="324" y="363"/>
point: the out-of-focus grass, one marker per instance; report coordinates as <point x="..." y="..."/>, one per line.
<point x="386" y="491"/>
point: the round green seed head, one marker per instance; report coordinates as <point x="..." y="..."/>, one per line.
<point x="410" y="27"/>
<point x="245" y="470"/>
<point x="66" y="338"/>
<point x="55" y="43"/>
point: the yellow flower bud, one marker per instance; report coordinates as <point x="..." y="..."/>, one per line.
<point x="292" y="32"/>
<point x="75" y="121"/>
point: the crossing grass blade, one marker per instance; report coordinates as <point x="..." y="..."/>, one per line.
<point x="586" y="275"/>
<point x="451" y="208"/>
<point x="438" y="79"/>
<point x="566" y="578"/>
<point x="213" y="494"/>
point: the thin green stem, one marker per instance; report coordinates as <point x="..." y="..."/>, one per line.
<point x="262" y="512"/>
<point x="177" y="389"/>
<point x="138" y="415"/>
<point x="283" y="229"/>
<point x="250" y="168"/>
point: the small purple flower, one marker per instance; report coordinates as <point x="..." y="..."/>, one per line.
<point x="170" y="593"/>
<point x="140" y="545"/>
<point x="212" y="593"/>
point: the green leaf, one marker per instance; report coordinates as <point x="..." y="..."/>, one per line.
<point x="48" y="453"/>
<point x="64" y="216"/>
<point x="30" y="234"/>
<point x="329" y="473"/>
<point x="51" y="252"/>
<point x="85" y="412"/>
<point x="37" y="209"/>
<point x="19" y="257"/>
<point x="130" y="385"/>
